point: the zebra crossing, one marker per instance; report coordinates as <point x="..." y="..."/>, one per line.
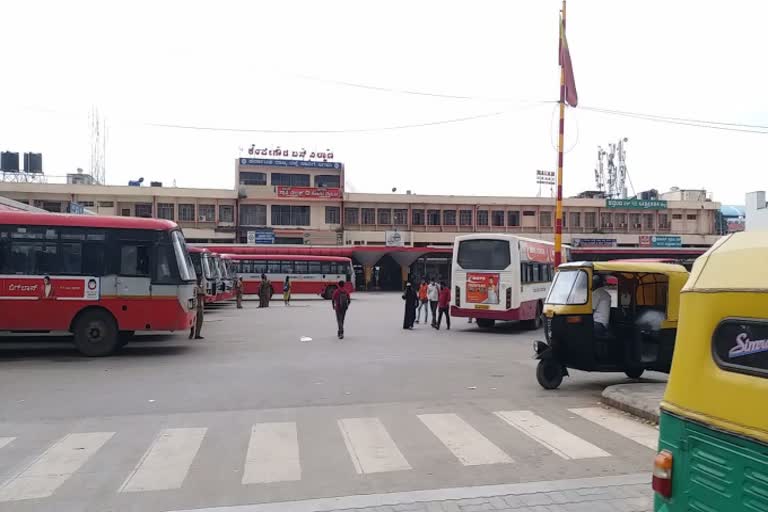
<point x="276" y="450"/>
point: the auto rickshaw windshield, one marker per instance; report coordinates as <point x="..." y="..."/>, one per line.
<point x="569" y="287"/>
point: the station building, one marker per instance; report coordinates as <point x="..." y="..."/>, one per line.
<point x="290" y="202"/>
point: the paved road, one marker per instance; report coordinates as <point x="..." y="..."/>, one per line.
<point x="254" y="415"/>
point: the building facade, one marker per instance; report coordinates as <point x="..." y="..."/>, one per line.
<point x="756" y="212"/>
<point x="303" y="202"/>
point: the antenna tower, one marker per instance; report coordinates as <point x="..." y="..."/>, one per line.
<point x="98" y="146"/>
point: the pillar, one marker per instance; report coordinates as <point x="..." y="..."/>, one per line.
<point x="405" y="271"/>
<point x="368" y="275"/>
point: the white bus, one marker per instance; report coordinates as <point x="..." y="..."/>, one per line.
<point x="501" y="277"/>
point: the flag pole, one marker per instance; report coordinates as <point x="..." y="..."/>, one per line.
<point x="559" y="200"/>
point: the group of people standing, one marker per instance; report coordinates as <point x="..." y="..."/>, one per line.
<point x="429" y="297"/>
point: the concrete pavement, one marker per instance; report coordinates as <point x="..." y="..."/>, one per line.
<point x="253" y="415"/>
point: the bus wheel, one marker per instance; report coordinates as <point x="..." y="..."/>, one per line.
<point x="634" y="373"/>
<point x="486" y="323"/>
<point x="328" y="293"/>
<point x="96" y="334"/>
<point x="535" y="322"/>
<point x="549" y="373"/>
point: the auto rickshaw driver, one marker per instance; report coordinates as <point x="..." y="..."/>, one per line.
<point x="601" y="307"/>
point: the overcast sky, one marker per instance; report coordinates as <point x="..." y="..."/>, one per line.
<point x="277" y="65"/>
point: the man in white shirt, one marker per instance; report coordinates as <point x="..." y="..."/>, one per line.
<point x="601" y="306"/>
<point x="432" y="295"/>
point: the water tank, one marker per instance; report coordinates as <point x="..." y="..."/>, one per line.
<point x="155" y="183"/>
<point x="9" y="162"/>
<point x="33" y="162"/>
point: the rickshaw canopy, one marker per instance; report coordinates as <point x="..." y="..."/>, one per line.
<point x="719" y="371"/>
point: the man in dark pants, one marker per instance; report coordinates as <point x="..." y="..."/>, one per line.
<point x="200" y="305"/>
<point x="340" y="303"/>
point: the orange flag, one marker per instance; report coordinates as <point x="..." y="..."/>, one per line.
<point x="571" y="98"/>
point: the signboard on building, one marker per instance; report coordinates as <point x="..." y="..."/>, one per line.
<point x="593" y="242"/>
<point x="271" y="162"/>
<point x="260" y="236"/>
<point x="660" y="241"/>
<point x="637" y="204"/>
<point x="545" y="177"/>
<point x="394" y="239"/>
<point x="308" y="192"/>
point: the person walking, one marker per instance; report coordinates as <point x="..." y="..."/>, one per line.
<point x="340" y="302"/>
<point x="433" y="293"/>
<point x="239" y="292"/>
<point x="194" y="331"/>
<point x="443" y="306"/>
<point x="411" y="302"/>
<point x="265" y="291"/>
<point x="287" y="291"/>
<point x="423" y="302"/>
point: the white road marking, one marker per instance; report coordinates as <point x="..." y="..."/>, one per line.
<point x="273" y="454"/>
<point x="370" y="447"/>
<point x="561" y="442"/>
<point x="616" y="422"/>
<point x="51" y="469"/>
<point x="167" y="461"/>
<point x="467" y="444"/>
<point x="6" y="441"/>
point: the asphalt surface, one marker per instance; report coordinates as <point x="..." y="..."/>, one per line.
<point x="170" y="423"/>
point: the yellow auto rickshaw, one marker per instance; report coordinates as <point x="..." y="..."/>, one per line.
<point x="713" y="428"/>
<point x="609" y="317"/>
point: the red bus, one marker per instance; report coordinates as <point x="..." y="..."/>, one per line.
<point x="316" y="275"/>
<point x="202" y="260"/>
<point x="227" y="277"/>
<point x="101" y="278"/>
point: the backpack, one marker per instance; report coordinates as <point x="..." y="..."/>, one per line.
<point x="342" y="303"/>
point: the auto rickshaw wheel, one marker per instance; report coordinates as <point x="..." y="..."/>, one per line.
<point x="549" y="373"/>
<point x="634" y="373"/>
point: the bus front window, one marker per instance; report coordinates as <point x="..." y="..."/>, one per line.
<point x="183" y="260"/>
<point x="207" y="268"/>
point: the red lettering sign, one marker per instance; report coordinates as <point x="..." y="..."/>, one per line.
<point x="537" y="252"/>
<point x="309" y="192"/>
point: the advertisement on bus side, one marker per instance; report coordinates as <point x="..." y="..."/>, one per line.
<point x="49" y="288"/>
<point x="482" y="288"/>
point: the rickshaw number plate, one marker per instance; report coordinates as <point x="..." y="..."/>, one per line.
<point x="482" y="306"/>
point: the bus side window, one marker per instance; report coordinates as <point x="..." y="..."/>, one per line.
<point x="301" y="267"/>
<point x="325" y="267"/>
<point x="259" y="267"/>
<point x="314" y="267"/>
<point x="71" y="258"/>
<point x="134" y="260"/>
<point x="286" y="267"/>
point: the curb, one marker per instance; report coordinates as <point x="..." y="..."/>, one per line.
<point x="617" y="401"/>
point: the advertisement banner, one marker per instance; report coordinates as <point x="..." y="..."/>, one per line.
<point x="637" y="204"/>
<point x="394" y="239"/>
<point x="482" y="288"/>
<point x="49" y="288"/>
<point x="270" y="162"/>
<point x="308" y="192"/>
<point x="660" y="241"/>
<point x="537" y="252"/>
<point x="593" y="242"/>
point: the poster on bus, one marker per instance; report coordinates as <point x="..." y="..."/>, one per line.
<point x="482" y="288"/>
<point x="49" y="288"/>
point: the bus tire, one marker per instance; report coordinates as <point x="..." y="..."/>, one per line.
<point x="535" y="322"/>
<point x="549" y="373"/>
<point x="486" y="323"/>
<point x="96" y="333"/>
<point x="634" y="373"/>
<point x="328" y="293"/>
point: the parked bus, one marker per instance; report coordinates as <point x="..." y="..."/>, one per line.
<point x="229" y="277"/>
<point x="202" y="259"/>
<point x="101" y="278"/>
<point x="315" y="275"/>
<point x="501" y="277"/>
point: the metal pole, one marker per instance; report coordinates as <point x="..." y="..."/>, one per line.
<point x="559" y="201"/>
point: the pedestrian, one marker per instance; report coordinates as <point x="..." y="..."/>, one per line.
<point x="411" y="302"/>
<point x="443" y="305"/>
<point x="265" y="291"/>
<point x="194" y="331"/>
<point x="287" y="291"/>
<point x="239" y="292"/>
<point x="433" y="293"/>
<point x="340" y="302"/>
<point x="423" y="302"/>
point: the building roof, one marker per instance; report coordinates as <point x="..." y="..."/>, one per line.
<point x="730" y="210"/>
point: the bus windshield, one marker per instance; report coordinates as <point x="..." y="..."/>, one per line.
<point x="206" y="262"/>
<point x="484" y="254"/>
<point x="183" y="260"/>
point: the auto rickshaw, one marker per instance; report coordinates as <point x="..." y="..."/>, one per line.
<point x="713" y="428"/>
<point x="610" y="316"/>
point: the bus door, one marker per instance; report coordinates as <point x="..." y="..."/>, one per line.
<point x="134" y="272"/>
